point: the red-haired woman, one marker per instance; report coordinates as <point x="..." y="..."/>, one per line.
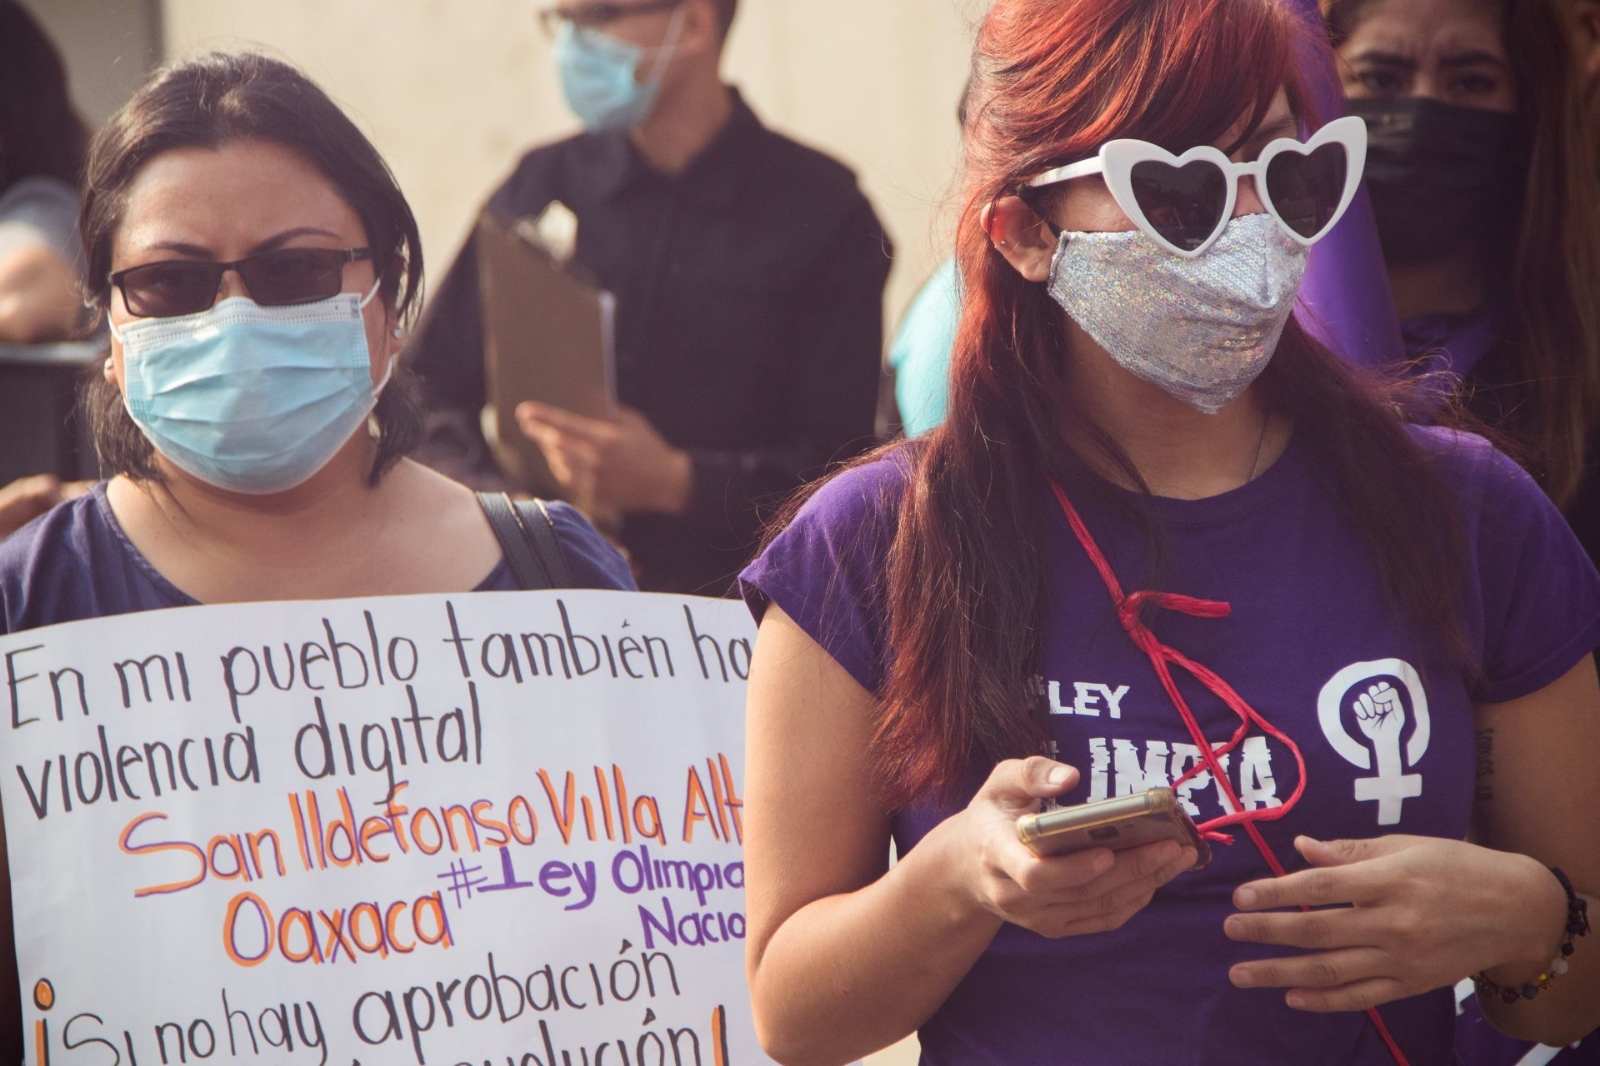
<point x="1370" y="639"/>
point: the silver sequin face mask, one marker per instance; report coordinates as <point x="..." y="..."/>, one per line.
<point x="1204" y="328"/>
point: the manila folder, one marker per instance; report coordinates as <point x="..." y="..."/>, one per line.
<point x="548" y="336"/>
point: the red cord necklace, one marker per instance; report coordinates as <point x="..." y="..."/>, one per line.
<point x="1163" y="658"/>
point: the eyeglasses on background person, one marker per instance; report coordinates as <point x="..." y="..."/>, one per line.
<point x="277" y="278"/>
<point x="597" y="16"/>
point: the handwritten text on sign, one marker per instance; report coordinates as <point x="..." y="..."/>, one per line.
<point x="478" y="829"/>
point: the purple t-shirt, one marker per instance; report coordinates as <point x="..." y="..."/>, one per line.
<point x="76" y="562"/>
<point x="1311" y="632"/>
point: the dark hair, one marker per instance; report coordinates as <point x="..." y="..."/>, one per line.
<point x="1053" y="80"/>
<point x="40" y="133"/>
<point x="209" y="102"/>
<point x="1553" y="273"/>
<point x="726" y="9"/>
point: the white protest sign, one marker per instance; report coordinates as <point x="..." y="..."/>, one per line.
<point x="475" y="829"/>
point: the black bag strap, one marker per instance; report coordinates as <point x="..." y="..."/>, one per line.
<point x="541" y="530"/>
<point x="528" y="538"/>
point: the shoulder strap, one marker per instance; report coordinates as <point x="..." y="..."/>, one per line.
<point x="528" y="538"/>
<point x="541" y="530"/>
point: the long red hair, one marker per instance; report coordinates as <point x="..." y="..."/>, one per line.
<point x="1052" y="80"/>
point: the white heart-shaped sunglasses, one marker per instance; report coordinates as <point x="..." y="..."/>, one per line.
<point x="1183" y="202"/>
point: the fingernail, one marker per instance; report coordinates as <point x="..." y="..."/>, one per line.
<point x="1296" y="1000"/>
<point x="1057" y="776"/>
<point x="1245" y="897"/>
<point x="1241" y="978"/>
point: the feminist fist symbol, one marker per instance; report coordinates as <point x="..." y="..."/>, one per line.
<point x="1380" y="714"/>
<point x="1382" y="717"/>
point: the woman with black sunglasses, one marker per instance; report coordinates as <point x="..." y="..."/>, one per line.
<point x="258" y="265"/>
<point x="1166" y="543"/>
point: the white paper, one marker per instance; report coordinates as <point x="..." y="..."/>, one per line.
<point x="483" y="828"/>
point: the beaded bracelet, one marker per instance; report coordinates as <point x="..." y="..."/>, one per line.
<point x="1577" y="925"/>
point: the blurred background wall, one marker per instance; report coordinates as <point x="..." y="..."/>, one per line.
<point x="108" y="45"/>
<point x="452" y="91"/>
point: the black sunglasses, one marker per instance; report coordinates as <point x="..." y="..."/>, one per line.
<point x="592" y="16"/>
<point x="273" y="279"/>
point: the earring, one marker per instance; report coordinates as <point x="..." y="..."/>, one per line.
<point x="1005" y="244"/>
<point x="397" y="333"/>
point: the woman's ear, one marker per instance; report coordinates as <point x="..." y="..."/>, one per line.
<point x="1021" y="236"/>
<point x="701" y="31"/>
<point x="114" y="347"/>
<point x="1588" y="36"/>
<point x="394" y="334"/>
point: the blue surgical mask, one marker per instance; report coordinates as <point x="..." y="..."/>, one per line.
<point x="247" y="398"/>
<point x="600" y="75"/>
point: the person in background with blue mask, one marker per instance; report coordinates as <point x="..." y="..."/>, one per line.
<point x="258" y="265"/>
<point x="749" y="275"/>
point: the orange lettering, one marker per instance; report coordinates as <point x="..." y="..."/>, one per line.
<point x="231" y="920"/>
<point x="490" y="825"/>
<point x="162" y="845"/>
<point x="533" y="821"/>
<point x="370" y="828"/>
<point x="388" y="926"/>
<point x="564" y="812"/>
<point x="441" y="925"/>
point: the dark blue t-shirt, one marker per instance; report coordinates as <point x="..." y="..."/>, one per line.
<point x="1311" y="634"/>
<point x="76" y="562"/>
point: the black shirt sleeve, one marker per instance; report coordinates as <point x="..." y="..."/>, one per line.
<point x="447" y="350"/>
<point x="446" y="355"/>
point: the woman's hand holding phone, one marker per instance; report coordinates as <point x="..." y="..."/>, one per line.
<point x="1089" y="891"/>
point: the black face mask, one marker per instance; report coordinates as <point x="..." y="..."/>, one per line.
<point x="1441" y="177"/>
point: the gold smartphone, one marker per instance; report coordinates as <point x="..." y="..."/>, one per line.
<point x="1119" y="823"/>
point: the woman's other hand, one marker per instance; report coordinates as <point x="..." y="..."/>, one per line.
<point x="1408" y="915"/>
<point x="1063" y="895"/>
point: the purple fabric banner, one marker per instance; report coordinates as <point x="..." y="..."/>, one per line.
<point x="1345" y="299"/>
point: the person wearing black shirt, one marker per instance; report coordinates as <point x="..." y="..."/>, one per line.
<point x="749" y="275"/>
